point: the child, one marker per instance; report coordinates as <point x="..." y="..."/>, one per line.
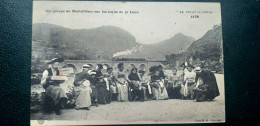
<point x="199" y="90"/>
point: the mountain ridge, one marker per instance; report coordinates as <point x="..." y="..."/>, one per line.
<point x="104" y="42"/>
<point x="204" y="52"/>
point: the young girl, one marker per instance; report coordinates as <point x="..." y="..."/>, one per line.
<point x="200" y="90"/>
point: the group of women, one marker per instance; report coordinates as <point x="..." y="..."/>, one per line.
<point x="92" y="87"/>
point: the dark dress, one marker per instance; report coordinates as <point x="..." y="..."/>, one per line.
<point x="209" y="79"/>
<point x="108" y="78"/>
<point x="137" y="92"/>
<point x="94" y="91"/>
<point x="101" y="88"/>
<point x="174" y="86"/>
<point x="162" y="74"/>
<point x="200" y="92"/>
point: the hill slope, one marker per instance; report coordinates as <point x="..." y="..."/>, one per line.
<point x="176" y="44"/>
<point x="103" y="41"/>
<point x="206" y="50"/>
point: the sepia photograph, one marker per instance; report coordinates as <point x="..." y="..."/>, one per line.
<point x="97" y="63"/>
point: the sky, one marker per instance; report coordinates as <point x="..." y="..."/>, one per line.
<point x="154" y="22"/>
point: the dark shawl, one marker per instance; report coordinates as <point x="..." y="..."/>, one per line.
<point x="162" y="74"/>
<point x="209" y="79"/>
<point x="79" y="77"/>
<point x="133" y="76"/>
<point x="155" y="78"/>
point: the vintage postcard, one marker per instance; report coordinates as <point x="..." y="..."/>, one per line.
<point x="96" y="63"/>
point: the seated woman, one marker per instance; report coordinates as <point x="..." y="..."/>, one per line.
<point x="82" y="90"/>
<point x="200" y="90"/>
<point x="122" y="83"/>
<point x="210" y="81"/>
<point x="158" y="88"/>
<point x="112" y="90"/>
<point x="137" y="92"/>
<point x="144" y="80"/>
<point x="174" y="85"/>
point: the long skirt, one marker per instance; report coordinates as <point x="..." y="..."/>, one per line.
<point x="159" y="93"/>
<point x="187" y="90"/>
<point x="101" y="94"/>
<point x="108" y="96"/>
<point x="93" y="94"/>
<point x="83" y="98"/>
<point x="113" y="89"/>
<point x="56" y="93"/>
<point x="122" y="92"/>
<point x="147" y="91"/>
<point x="138" y="94"/>
<point x="170" y="90"/>
<point x="174" y="91"/>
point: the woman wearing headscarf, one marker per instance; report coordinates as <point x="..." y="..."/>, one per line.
<point x="122" y="83"/>
<point x="160" y="68"/>
<point x="137" y="92"/>
<point x="158" y="88"/>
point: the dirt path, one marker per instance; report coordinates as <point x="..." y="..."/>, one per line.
<point x="172" y="110"/>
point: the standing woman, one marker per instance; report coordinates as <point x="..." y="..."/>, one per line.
<point x="122" y="83"/>
<point x="158" y="88"/>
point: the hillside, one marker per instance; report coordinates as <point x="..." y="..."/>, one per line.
<point x="102" y="41"/>
<point x="206" y="50"/>
<point x="176" y="44"/>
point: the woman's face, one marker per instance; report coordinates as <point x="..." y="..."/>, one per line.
<point x="189" y="69"/>
<point x="157" y="73"/>
<point x="134" y="71"/>
<point x="121" y="68"/>
<point x="174" y="71"/>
